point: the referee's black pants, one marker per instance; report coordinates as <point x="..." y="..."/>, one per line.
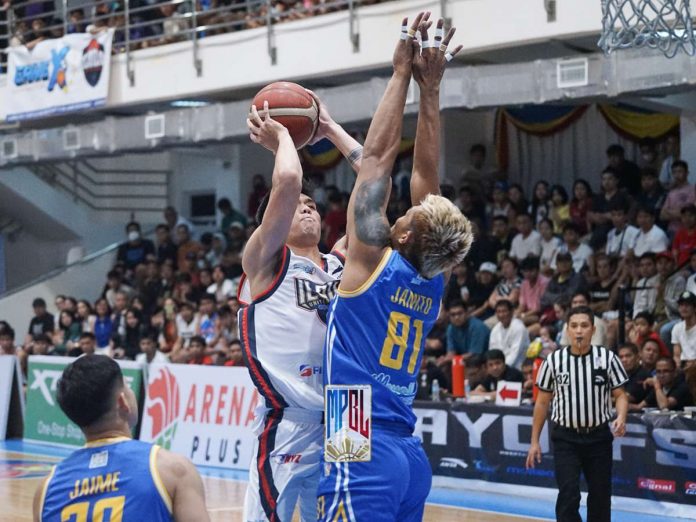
<point x="591" y="454"/>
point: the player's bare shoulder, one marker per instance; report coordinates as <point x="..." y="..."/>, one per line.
<point x="183" y="485"/>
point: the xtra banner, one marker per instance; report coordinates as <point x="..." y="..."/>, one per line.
<point x="45" y="422"/>
<point x="655" y="460"/>
<point x="205" y="413"/>
<point x="59" y="75"/>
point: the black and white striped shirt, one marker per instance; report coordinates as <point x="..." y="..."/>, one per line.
<point x="581" y="385"/>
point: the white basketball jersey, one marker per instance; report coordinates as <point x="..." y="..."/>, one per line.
<point x="284" y="328"/>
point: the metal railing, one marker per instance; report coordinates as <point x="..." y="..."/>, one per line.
<point x="141" y="24"/>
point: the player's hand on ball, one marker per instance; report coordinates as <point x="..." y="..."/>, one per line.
<point x="264" y="130"/>
<point x="429" y="65"/>
<point x="407" y="46"/>
<point x="534" y="455"/>
<point x="325" y="120"/>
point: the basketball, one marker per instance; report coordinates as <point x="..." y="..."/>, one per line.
<point x="293" y="107"/>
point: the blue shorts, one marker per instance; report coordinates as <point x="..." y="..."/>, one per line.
<point x="391" y="487"/>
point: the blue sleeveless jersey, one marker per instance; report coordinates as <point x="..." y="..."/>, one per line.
<point x="377" y="332"/>
<point x="112" y="480"/>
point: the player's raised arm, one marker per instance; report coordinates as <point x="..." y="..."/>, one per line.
<point x="368" y="228"/>
<point x="267" y="242"/>
<point x="428" y="68"/>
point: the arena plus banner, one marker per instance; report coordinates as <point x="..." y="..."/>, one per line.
<point x="58" y="75"/>
<point x="11" y="397"/>
<point x="44" y="421"/>
<point x="205" y="413"/>
<point x="655" y="460"/>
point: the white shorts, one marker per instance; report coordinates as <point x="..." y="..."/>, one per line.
<point x="287" y="466"/>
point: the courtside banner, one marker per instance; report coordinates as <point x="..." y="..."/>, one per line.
<point x="203" y="412"/>
<point x="10" y="382"/>
<point x="44" y="421"/>
<point x="655" y="460"/>
<point x="58" y="76"/>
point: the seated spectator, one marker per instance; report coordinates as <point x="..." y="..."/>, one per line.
<point x="600" y="215"/>
<point x="499" y="206"/>
<point x="560" y="209"/>
<point x="85" y="316"/>
<point x="149" y="353"/>
<point x="115" y="286"/>
<point x="599" y="337"/>
<point x="540" y="206"/>
<point x="671" y="286"/>
<point x="214" y="256"/>
<point x="604" y="292"/>
<point x="195" y="353"/>
<point x="42" y="322"/>
<point x="459" y="283"/>
<point x="166" y="249"/>
<point x="635" y="388"/>
<point x="550" y="244"/>
<point x="564" y="284"/>
<point x="508" y="287"/>
<point x="483" y="250"/>
<point x="207" y="319"/>
<point x="681" y="194"/>
<point x="651" y="238"/>
<point x="8" y="347"/>
<point x="684" y="242"/>
<point x="497" y="370"/>
<point x="532" y="288"/>
<point x="430" y="372"/>
<point x="222" y="288"/>
<point x="580" y="253"/>
<point x="236" y="238"/>
<point x="470" y="206"/>
<point x="173" y="220"/>
<point x="527" y="242"/>
<point x="627" y="172"/>
<point x="186" y="324"/>
<point x="87" y="345"/>
<point x="229" y="215"/>
<point x="645" y="297"/>
<point x="136" y="249"/>
<point x="642" y="330"/>
<point x="41" y="345"/>
<point x="127" y="343"/>
<point x="666" y="390"/>
<point x="187" y="248"/>
<point x="622" y="237"/>
<point x="67" y="335"/>
<point x="652" y="196"/>
<point x="580" y="205"/>
<point x="103" y="326"/>
<point x="475" y="372"/>
<point x="481" y="290"/>
<point x="528" y="375"/>
<point x="501" y="237"/>
<point x="510" y="336"/>
<point x="466" y="335"/>
<point x="649" y="354"/>
<point x="234" y="354"/>
<point x="684" y="333"/>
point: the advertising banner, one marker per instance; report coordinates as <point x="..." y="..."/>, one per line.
<point x="58" y="75"/>
<point x="11" y="397"/>
<point x="655" y="460"/>
<point x="45" y="422"/>
<point x="205" y="413"/>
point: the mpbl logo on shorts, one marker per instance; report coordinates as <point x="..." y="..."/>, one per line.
<point x="348" y="423"/>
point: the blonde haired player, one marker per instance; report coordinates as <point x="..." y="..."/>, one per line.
<point x="387" y="302"/>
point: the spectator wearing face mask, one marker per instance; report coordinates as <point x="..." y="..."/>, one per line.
<point x="136" y="249"/>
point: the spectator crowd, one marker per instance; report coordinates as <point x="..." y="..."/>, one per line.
<point x="626" y="247"/>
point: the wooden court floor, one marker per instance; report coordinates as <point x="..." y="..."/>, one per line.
<point x="224" y="496"/>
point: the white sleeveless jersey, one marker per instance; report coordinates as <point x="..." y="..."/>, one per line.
<point x="283" y="330"/>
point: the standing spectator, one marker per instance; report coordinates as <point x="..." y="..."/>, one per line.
<point x="532" y="288"/>
<point x="466" y="335"/>
<point x="646" y="295"/>
<point x="42" y="323"/>
<point x="627" y="172"/>
<point x="667" y="391"/>
<point x="174" y="221"/>
<point x="582" y="439"/>
<point x="684" y="333"/>
<point x="136" y="249"/>
<point x="149" y="353"/>
<point x="600" y="216"/>
<point x="258" y="192"/>
<point x="550" y="244"/>
<point x="622" y="237"/>
<point x="649" y="158"/>
<point x="680" y="195"/>
<point x="652" y="195"/>
<point x="540" y="207"/>
<point x="651" y="238"/>
<point x="528" y="241"/>
<point x="166" y="249"/>
<point x="509" y="335"/>
<point x="580" y="205"/>
<point x="229" y="215"/>
<point x="103" y="324"/>
<point x="684" y="242"/>
<point x="496" y="370"/>
<point x="671" y="155"/>
<point x="476" y="174"/>
<point x="186" y="246"/>
<point x="560" y="209"/>
<point x="580" y="253"/>
<point x="635" y="389"/>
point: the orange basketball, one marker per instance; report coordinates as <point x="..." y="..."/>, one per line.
<point x="293" y="107"/>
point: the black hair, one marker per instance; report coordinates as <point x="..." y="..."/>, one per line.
<point x="524" y="214"/>
<point x="510" y="260"/>
<point x="7" y="332"/>
<point x="455" y="303"/>
<point x="612" y="171"/>
<point x="476" y="361"/>
<point x="206" y="238"/>
<point x="495" y="355"/>
<point x="585" y="184"/>
<point x="680" y="163"/>
<point x="38" y="302"/>
<point x="113" y="274"/>
<point x="88" y="335"/>
<point x="198" y="339"/>
<point x="630" y="346"/>
<point x="478" y="147"/>
<point x="647" y="316"/>
<point x="506" y="303"/>
<point x="162" y="226"/>
<point x="529" y="263"/>
<point x="615" y="150"/>
<point x="586" y="295"/>
<point x="562" y="191"/>
<point x="644" y="209"/>
<point x="44" y="338"/>
<point x="307" y="190"/>
<point x="527" y="362"/>
<point x="664" y="358"/>
<point x="501" y="218"/>
<point x="581" y="310"/>
<point x="207" y="297"/>
<point x="689" y="209"/>
<point x="570" y="226"/>
<point x="224" y="204"/>
<point x="648" y="255"/>
<point x="133" y="224"/>
<point x="87" y="389"/>
<point x="647" y="172"/>
<point x="619" y="205"/>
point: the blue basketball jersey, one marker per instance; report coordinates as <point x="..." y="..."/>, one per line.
<point x="110" y="480"/>
<point x="376" y="335"/>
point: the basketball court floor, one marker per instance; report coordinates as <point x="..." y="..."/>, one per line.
<point x="23" y="465"/>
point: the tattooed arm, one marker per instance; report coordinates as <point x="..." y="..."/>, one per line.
<point x="368" y="229"/>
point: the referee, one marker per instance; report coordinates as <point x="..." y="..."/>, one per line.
<point x="579" y="380"/>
